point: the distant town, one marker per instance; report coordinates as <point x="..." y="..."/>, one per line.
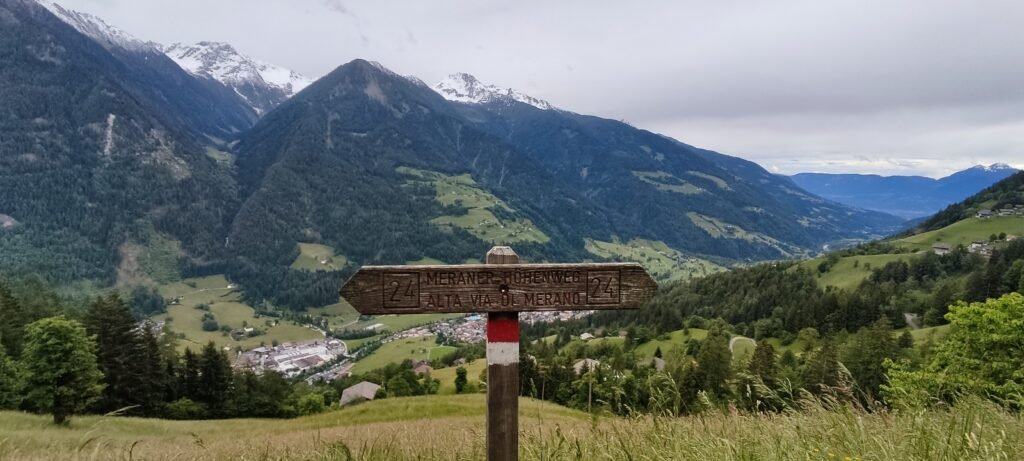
<point x="328" y="359"/>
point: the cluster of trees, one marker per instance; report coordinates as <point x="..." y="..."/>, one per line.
<point x="703" y="372"/>
<point x="395" y="379"/>
<point x="980" y="356"/>
<point x="103" y="360"/>
<point x="780" y="299"/>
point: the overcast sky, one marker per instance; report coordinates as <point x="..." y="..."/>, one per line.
<point x="889" y="87"/>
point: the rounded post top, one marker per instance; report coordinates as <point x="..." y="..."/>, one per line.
<point x="502" y="255"/>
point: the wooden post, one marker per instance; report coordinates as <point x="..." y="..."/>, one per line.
<point x="502" y="374"/>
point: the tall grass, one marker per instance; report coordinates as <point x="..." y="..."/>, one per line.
<point x="452" y="428"/>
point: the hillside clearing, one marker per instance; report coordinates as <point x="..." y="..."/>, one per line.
<point x="415" y="349"/>
<point x="224" y="303"/>
<point x="663" y="262"/>
<point x="966" y="231"/>
<point x="315" y="257"/>
<point x="850" y="271"/>
<point x="447" y="375"/>
<point x="481" y="206"/>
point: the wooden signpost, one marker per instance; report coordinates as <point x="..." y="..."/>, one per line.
<point x="502" y="288"/>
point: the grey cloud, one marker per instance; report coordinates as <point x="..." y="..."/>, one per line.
<point x="867" y="85"/>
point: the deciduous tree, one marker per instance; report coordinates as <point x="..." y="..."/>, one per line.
<point x="61" y="374"/>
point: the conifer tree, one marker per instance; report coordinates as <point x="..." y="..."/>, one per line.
<point x="189" y="376"/>
<point x="13" y="319"/>
<point x="152" y="389"/>
<point x="714" y="364"/>
<point x="119" y="354"/>
<point x="822" y="369"/>
<point x="215" y="377"/>
<point x="762" y="363"/>
<point x="864" y="354"/>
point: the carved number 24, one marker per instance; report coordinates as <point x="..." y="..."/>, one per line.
<point x="398" y="286"/>
<point x="607" y="292"/>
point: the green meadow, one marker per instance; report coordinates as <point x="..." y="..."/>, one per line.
<point x="451" y="427"/>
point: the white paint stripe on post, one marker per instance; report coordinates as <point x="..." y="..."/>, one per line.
<point x="502" y="353"/>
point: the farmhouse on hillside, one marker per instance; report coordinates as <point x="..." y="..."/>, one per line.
<point x="423" y="368"/>
<point x="942" y="248"/>
<point x="362" y="391"/>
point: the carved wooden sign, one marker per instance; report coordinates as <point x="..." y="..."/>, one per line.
<point x="376" y="290"/>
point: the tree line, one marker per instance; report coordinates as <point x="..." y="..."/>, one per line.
<point x="103" y="360"/>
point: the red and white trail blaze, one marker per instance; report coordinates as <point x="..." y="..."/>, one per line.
<point x="503" y="341"/>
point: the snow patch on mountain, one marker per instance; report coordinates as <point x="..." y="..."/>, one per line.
<point x="466" y="88"/>
<point x="993" y="167"/>
<point x="93" y="27"/>
<point x="221" y="62"/>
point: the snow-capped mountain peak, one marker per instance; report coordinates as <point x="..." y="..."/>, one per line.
<point x="462" y="87"/>
<point x="994" y="167"/>
<point x="250" y="78"/>
<point x="93" y="27"/>
<point x="223" y="63"/>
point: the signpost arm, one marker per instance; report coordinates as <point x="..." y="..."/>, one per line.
<point x="502" y="374"/>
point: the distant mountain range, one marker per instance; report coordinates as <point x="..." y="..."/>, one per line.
<point x="906" y="196"/>
<point x="121" y="164"/>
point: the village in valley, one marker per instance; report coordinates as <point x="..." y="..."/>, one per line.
<point x="329" y="359"/>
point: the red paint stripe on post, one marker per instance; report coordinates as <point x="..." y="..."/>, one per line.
<point x="503" y="330"/>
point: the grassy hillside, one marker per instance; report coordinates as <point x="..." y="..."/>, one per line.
<point x="315" y="257"/>
<point x="451" y="428"/>
<point x="224" y="303"/>
<point x="663" y="262"/>
<point x="447" y="375"/>
<point x="966" y="231"/>
<point x="422" y="348"/>
<point x="849" y="271"/>
<point x="479" y="218"/>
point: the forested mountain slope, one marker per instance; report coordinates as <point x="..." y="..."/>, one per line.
<point x="899" y="279"/>
<point x="120" y="166"/>
<point x="656" y="187"/>
<point x="384" y="170"/>
<point x="92" y="165"/>
<point x="201" y="106"/>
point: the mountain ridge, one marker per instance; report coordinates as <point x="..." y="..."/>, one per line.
<point x="906" y="196"/>
<point x="262" y="85"/>
<point x="394" y="148"/>
<point x="378" y="166"/>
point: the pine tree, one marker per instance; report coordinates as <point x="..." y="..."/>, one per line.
<point x="119" y="352"/>
<point x="189" y="377"/>
<point x="61" y="375"/>
<point x="906" y="340"/>
<point x="215" y="377"/>
<point x="714" y="364"/>
<point x="864" y="354"/>
<point x="822" y="369"/>
<point x="762" y="363"/>
<point x="13" y="319"/>
<point x="154" y="383"/>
